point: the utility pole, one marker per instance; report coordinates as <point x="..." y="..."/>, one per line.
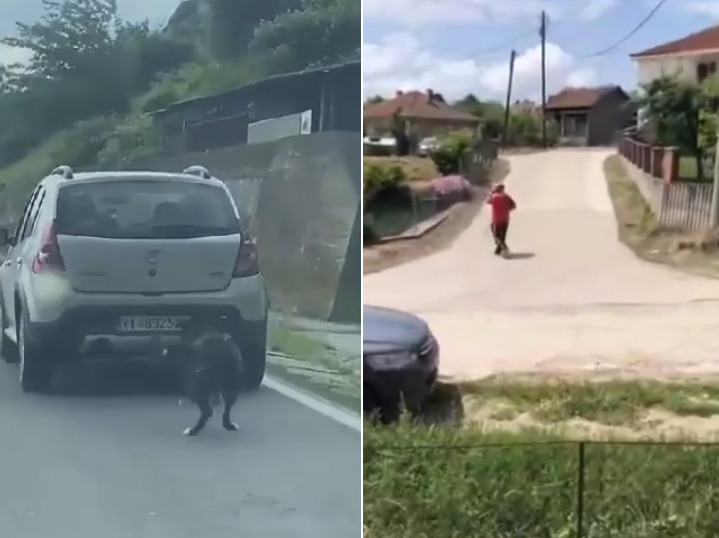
<point x="512" y="57"/>
<point x="543" y="35"/>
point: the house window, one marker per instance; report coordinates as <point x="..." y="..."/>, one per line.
<point x="705" y="70"/>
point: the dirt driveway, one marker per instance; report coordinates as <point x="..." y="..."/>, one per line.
<point x="573" y="300"/>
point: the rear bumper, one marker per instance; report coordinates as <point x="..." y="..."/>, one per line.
<point x="50" y="300"/>
<point x="80" y="327"/>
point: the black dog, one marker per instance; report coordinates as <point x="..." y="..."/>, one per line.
<point x="212" y="369"/>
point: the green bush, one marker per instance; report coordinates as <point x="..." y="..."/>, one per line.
<point x="369" y="235"/>
<point x="458" y="482"/>
<point x="453" y="148"/>
<point x="378" y="179"/>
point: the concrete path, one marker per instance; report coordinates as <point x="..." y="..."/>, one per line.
<point x="573" y="299"/>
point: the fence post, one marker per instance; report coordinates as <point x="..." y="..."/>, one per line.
<point x="580" y="488"/>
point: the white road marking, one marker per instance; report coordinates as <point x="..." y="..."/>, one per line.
<point x="320" y="405"/>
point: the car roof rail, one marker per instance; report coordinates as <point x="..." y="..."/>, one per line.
<point x="198" y="170"/>
<point x="64" y="171"/>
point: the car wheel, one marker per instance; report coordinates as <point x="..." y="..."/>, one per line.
<point x="8" y="348"/>
<point x="34" y="369"/>
<point x="370" y="403"/>
<point x="254" y="355"/>
<point x="255" y="359"/>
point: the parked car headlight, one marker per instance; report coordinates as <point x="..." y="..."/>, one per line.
<point x="390" y="361"/>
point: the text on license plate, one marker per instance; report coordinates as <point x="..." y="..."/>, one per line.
<point x="151" y="323"/>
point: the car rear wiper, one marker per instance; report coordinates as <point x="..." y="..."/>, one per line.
<point x="193" y="229"/>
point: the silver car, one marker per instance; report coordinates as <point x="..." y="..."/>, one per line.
<point x="108" y="262"/>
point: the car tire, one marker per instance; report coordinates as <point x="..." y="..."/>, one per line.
<point x="254" y="355"/>
<point x="370" y="403"/>
<point x="255" y="361"/>
<point x="8" y="348"/>
<point x="34" y="369"/>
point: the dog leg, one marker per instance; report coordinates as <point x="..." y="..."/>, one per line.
<point x="229" y="399"/>
<point x="205" y="415"/>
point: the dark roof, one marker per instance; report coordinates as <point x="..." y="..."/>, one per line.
<point x="580" y="97"/>
<point x="193" y="101"/>
<point x="707" y="39"/>
<point x="418" y="105"/>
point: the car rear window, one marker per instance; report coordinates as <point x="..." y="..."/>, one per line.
<point x="145" y="209"/>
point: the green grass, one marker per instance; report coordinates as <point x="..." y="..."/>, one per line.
<point x="305" y="359"/>
<point x="499" y="485"/>
<point x="614" y="402"/>
<point x="635" y="218"/>
<point x="688" y="170"/>
<point x="457" y="481"/>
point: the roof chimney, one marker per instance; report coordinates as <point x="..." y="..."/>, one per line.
<point x="399" y="93"/>
<point x="430" y="95"/>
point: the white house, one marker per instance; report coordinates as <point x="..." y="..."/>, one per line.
<point x="692" y="58"/>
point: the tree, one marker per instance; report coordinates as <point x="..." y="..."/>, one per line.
<point x="75" y="71"/>
<point x="674" y="112"/>
<point x="401" y="135"/>
<point x="91" y="76"/>
<point x="491" y="114"/>
<point x="323" y="32"/>
<point x="232" y="23"/>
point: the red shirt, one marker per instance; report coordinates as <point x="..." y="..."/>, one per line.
<point x="502" y="205"/>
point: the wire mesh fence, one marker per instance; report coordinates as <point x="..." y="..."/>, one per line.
<point x="548" y="489"/>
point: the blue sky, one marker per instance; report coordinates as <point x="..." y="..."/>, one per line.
<point x="461" y="46"/>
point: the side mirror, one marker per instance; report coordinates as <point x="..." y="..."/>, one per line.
<point x="5" y="239"/>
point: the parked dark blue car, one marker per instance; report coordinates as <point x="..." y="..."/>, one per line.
<point x="400" y="361"/>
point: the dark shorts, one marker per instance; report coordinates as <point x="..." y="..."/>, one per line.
<point x="499" y="230"/>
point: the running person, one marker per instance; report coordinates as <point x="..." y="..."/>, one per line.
<point x="502" y="206"/>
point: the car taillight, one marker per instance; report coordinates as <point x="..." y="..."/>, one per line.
<point x="246" y="264"/>
<point x="48" y="258"/>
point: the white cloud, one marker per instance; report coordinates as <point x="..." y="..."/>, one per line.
<point x="703" y="7"/>
<point x="14" y="55"/>
<point x="594" y="9"/>
<point x="401" y="62"/>
<point x="439" y="12"/>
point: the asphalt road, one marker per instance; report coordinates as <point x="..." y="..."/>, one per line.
<point x="113" y="463"/>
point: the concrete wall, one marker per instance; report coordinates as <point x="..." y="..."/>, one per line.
<point x="682" y="67"/>
<point x="300" y="197"/>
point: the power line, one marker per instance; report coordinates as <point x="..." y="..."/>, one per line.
<point x="504" y="44"/>
<point x="627" y="37"/>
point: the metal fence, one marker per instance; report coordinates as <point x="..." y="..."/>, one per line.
<point x="679" y="205"/>
<point x="676" y="203"/>
<point x="686" y="206"/>
<point x="550" y="489"/>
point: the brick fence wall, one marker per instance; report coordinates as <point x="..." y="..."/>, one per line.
<point x="655" y="171"/>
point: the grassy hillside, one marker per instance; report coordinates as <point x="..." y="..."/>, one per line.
<point x="84" y="97"/>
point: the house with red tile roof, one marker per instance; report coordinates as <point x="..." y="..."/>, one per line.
<point x="692" y="58"/>
<point x="590" y="116"/>
<point x="425" y="113"/>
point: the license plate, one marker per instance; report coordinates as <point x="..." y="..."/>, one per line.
<point x="151" y="323"/>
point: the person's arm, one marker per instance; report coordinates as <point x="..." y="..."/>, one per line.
<point x="512" y="204"/>
<point x="488" y="200"/>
